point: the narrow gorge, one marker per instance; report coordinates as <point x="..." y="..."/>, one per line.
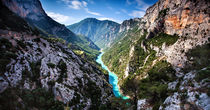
<point x="104" y="55"/>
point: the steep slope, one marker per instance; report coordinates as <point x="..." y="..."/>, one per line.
<point x="39" y="73"/>
<point x="33" y="13"/>
<point x="160" y="59"/>
<point x="102" y="33"/>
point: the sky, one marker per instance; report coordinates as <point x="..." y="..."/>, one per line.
<point x="72" y="11"/>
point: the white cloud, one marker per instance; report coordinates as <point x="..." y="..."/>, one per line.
<point x="75" y="4"/>
<point x="58" y="17"/>
<point x="63" y="19"/>
<point x="92" y="13"/>
<point x="84" y="3"/>
<point x="136" y="13"/>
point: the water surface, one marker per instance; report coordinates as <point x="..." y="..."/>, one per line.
<point x="113" y="79"/>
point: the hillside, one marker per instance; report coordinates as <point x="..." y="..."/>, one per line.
<point x="37" y="72"/>
<point x="162" y="60"/>
<point x="34" y="14"/>
<point x="102" y="33"/>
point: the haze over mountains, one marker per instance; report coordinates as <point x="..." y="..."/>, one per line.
<point x="161" y="59"/>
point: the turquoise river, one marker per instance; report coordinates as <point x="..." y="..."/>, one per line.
<point x="113" y="79"/>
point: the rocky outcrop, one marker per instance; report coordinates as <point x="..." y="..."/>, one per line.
<point x="41" y="62"/>
<point x="128" y="24"/>
<point x="168" y="32"/>
<point x="186" y="18"/>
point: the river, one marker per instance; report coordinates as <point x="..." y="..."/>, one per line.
<point x="113" y="79"/>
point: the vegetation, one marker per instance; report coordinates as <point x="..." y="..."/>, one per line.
<point x="203" y="74"/>
<point x="7" y="52"/>
<point x="63" y="70"/>
<point x="120" y="51"/>
<point x="55" y="40"/>
<point x="118" y="103"/>
<point x="86" y="45"/>
<point x="161" y="38"/>
<point x="163" y="12"/>
<point x="82" y="48"/>
<point x="96" y="30"/>
<point x="51" y="65"/>
<point x="35" y="70"/>
<point x="154" y="87"/>
<point x="199" y="57"/>
<point x="39" y="98"/>
<point x="78" y="52"/>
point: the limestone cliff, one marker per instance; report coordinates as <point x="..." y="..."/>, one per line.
<point x="162" y="60"/>
<point x="38" y="72"/>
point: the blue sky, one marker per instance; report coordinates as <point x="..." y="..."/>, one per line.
<point x="71" y="11"/>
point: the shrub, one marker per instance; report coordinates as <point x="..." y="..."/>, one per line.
<point x="37" y="98"/>
<point x="21" y="44"/>
<point x="63" y="70"/>
<point x="160" y="38"/>
<point x="6" y="43"/>
<point x="200" y="57"/>
<point x="51" y="65"/>
<point x="202" y="74"/>
<point x="35" y="70"/>
<point x="37" y="40"/>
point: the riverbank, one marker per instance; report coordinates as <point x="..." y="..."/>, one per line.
<point x="113" y="79"/>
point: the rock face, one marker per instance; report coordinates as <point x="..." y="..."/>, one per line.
<point x="189" y="19"/>
<point x="171" y="39"/>
<point x="42" y="63"/>
<point x="34" y="14"/>
<point x="102" y="33"/>
<point x="128" y="24"/>
<point x="37" y="72"/>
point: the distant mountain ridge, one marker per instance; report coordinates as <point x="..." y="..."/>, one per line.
<point x="102" y="33"/>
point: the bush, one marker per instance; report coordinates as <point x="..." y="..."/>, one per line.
<point x="199" y="56"/>
<point x="51" y="65"/>
<point x="6" y="43"/>
<point x="203" y="74"/>
<point x="6" y="54"/>
<point x="35" y="70"/>
<point x="63" y="70"/>
<point x="160" y="38"/>
<point x="21" y="44"/>
<point x="37" y="98"/>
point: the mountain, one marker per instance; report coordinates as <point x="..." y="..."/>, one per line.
<point x="162" y="59"/>
<point x="34" y="14"/>
<point x="37" y="72"/>
<point x="102" y="33"/>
